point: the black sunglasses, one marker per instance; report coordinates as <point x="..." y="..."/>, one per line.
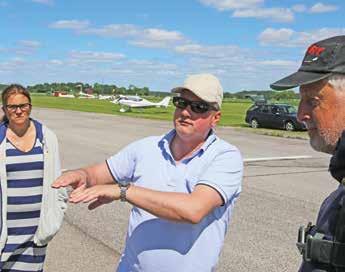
<point x="196" y="106"/>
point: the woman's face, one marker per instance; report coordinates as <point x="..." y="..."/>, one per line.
<point x="17" y="109"/>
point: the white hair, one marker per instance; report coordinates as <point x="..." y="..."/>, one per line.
<point x="337" y="81"/>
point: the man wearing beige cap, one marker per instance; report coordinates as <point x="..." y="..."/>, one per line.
<point x="182" y="185"/>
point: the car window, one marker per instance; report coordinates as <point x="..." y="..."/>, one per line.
<point x="265" y="109"/>
<point x="282" y="110"/>
<point x="274" y="109"/>
<point x="291" y="109"/>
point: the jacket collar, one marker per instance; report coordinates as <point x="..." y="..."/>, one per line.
<point x="38" y="126"/>
<point x="337" y="163"/>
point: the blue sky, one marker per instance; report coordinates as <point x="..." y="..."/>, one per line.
<point x="248" y="44"/>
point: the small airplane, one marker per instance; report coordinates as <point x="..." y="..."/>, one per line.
<point x="130" y="102"/>
<point x="105" y="97"/>
<point x="126" y="98"/>
<point x="66" y="95"/>
<point x="85" y="95"/>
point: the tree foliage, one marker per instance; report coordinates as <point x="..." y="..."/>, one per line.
<point x="112" y="89"/>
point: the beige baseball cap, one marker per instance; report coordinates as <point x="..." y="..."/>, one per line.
<point x="205" y="86"/>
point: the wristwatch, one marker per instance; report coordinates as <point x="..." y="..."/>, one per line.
<point x="123" y="190"/>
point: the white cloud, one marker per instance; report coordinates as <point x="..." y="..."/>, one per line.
<point x="23" y="47"/>
<point x="231" y="4"/>
<point x="280" y="63"/>
<point x="155" y="34"/>
<point x="113" y="30"/>
<point x="236" y="71"/>
<point x="55" y="62"/>
<point x="275" y="36"/>
<point x="254" y="9"/>
<point x="138" y="36"/>
<point x="29" y="44"/>
<point x="320" y="8"/>
<point x="275" y="14"/>
<point x="90" y="56"/>
<point x="70" y="24"/>
<point x="299" y="8"/>
<point x="156" y="38"/>
<point x="289" y="38"/>
<point x="210" y="51"/>
<point x="45" y="2"/>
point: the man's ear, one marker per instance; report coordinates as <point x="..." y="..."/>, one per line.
<point x="216" y="118"/>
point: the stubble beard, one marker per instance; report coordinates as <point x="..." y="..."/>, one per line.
<point x="325" y="140"/>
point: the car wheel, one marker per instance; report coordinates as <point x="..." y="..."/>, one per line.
<point x="289" y="126"/>
<point x="254" y="123"/>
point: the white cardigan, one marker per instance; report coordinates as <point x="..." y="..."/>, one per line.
<point x="54" y="201"/>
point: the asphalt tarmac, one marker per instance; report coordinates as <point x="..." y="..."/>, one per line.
<point x="278" y="196"/>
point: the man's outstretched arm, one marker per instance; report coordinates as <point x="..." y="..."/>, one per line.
<point x="180" y="207"/>
<point x="97" y="174"/>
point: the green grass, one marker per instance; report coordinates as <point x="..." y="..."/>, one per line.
<point x="233" y="112"/>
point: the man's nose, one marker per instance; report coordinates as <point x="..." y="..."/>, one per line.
<point x="303" y="113"/>
<point x="186" y="111"/>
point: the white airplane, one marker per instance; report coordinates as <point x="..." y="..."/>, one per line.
<point x="126" y="98"/>
<point x="66" y="95"/>
<point x="130" y="102"/>
<point x="85" y="95"/>
<point x="105" y="97"/>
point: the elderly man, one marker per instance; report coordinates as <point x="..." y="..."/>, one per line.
<point x="182" y="185"/>
<point x="321" y="78"/>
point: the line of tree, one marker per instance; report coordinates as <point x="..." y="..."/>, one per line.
<point x="268" y="94"/>
<point x="105" y="89"/>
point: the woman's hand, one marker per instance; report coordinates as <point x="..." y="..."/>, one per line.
<point x="97" y="195"/>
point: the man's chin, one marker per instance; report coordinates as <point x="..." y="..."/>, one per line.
<point x="320" y="146"/>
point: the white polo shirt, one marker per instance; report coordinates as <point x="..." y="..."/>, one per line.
<point x="155" y="244"/>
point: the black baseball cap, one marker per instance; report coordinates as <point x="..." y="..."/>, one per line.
<point x="321" y="60"/>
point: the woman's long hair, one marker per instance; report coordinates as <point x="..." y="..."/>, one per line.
<point x="12" y="89"/>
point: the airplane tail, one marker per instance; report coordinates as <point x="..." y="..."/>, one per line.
<point x="165" y="102"/>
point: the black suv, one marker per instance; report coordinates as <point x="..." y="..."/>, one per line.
<point x="281" y="116"/>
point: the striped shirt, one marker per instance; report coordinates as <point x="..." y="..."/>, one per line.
<point x="24" y="197"/>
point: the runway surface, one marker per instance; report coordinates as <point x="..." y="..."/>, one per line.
<point x="277" y="197"/>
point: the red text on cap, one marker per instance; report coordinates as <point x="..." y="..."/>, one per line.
<point x="315" y="50"/>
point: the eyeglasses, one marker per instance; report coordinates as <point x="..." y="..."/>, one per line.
<point x="196" y="106"/>
<point x="22" y="107"/>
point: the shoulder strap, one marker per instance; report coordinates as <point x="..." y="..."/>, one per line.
<point x="39" y="130"/>
<point x="2" y="131"/>
<point x="339" y="238"/>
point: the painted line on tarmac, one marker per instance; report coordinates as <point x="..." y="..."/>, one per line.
<point x="276" y="158"/>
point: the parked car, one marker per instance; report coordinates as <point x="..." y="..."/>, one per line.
<point x="282" y="116"/>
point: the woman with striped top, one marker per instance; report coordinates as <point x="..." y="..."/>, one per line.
<point x="29" y="163"/>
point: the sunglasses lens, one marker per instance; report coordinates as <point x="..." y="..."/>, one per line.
<point x="180" y="102"/>
<point x="196" y="106"/>
<point x="199" y="107"/>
